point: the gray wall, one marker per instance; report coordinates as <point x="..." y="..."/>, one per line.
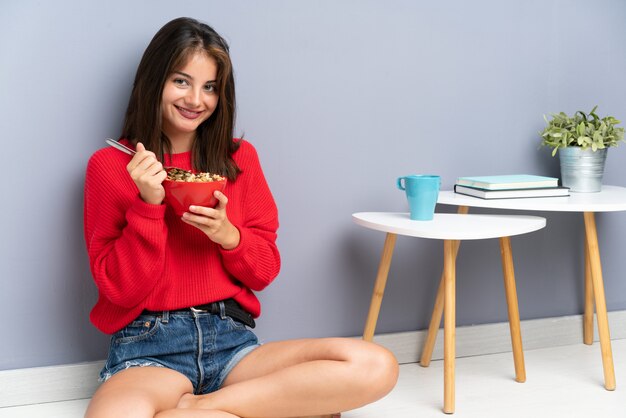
<point x="340" y="98"/>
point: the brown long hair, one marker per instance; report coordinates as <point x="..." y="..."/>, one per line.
<point x="168" y="51"/>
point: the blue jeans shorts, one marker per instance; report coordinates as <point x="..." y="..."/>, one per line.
<point x="202" y="346"/>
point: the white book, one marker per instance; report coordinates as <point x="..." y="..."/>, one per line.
<point x="512" y="193"/>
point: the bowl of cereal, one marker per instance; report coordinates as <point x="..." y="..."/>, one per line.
<point x="184" y="188"/>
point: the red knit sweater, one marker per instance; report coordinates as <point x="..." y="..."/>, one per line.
<point x="143" y="256"/>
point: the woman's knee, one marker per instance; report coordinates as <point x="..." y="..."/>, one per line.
<point x="377" y="368"/>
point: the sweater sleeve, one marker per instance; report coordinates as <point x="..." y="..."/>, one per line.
<point x="125" y="236"/>
<point x="255" y="261"/>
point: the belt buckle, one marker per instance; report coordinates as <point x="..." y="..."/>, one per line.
<point x="196" y="310"/>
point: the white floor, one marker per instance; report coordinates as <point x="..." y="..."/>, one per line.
<point x="562" y="381"/>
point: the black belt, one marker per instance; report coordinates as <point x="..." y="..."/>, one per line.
<point x="231" y="308"/>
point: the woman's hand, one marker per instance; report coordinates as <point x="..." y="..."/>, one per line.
<point x="148" y="174"/>
<point x="214" y="222"/>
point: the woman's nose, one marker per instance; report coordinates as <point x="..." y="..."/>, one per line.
<point x="193" y="97"/>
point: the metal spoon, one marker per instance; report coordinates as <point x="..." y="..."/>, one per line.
<point x="121" y="147"/>
<point x="125" y="149"/>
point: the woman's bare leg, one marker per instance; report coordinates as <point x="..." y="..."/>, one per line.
<point x="194" y="413"/>
<point x="139" y="392"/>
<point x="302" y="378"/>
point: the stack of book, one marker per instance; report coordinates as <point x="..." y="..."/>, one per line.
<point x="510" y="186"/>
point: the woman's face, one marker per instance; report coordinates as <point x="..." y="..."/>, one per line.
<point x="189" y="98"/>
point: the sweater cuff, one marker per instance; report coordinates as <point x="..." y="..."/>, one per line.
<point x="236" y="252"/>
<point x="147" y="210"/>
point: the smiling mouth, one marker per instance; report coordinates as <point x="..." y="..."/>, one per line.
<point x="186" y="113"/>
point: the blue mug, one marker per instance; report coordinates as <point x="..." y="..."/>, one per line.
<point x="422" y="192"/>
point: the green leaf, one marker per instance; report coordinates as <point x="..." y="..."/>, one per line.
<point x="597" y="136"/>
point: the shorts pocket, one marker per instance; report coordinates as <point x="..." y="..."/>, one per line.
<point x="234" y="323"/>
<point x="139" y="329"/>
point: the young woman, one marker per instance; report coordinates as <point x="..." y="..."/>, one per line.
<point x="176" y="293"/>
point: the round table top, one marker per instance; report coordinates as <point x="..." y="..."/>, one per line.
<point x="450" y="226"/>
<point x="610" y="199"/>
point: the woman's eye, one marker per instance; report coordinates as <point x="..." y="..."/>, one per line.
<point x="180" y="81"/>
<point x="210" y="88"/>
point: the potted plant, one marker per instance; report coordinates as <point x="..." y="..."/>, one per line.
<point x="582" y="142"/>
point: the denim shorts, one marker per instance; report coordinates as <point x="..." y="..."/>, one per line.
<point x="202" y="346"/>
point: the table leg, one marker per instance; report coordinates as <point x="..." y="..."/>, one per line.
<point x="379" y="287"/>
<point x="435" y="318"/>
<point x="598" y="292"/>
<point x="449" y="324"/>
<point x="433" y="328"/>
<point x="588" y="316"/>
<point x="511" y="300"/>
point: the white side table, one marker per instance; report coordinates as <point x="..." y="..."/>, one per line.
<point x="610" y="199"/>
<point x="451" y="228"/>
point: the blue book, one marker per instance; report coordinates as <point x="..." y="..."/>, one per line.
<point x="514" y="181"/>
